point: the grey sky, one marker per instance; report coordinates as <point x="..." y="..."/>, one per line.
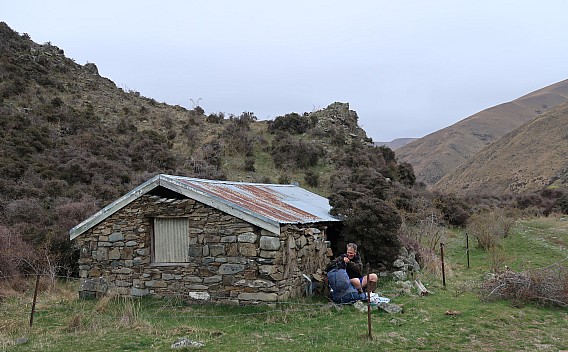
<point x="408" y="68"/>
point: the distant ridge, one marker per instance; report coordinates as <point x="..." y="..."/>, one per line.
<point x="436" y="154"/>
<point x="396" y="143"/>
<point x="528" y="159"/>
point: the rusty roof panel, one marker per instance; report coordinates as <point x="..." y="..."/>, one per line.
<point x="281" y="203"/>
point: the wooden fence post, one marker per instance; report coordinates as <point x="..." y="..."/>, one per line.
<point x="369" y="303"/>
<point x="467" y="248"/>
<point x="34" y="302"/>
<point x="443" y="269"/>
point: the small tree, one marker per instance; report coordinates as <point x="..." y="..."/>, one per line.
<point x="372" y="223"/>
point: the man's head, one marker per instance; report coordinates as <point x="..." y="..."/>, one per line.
<point x="351" y="250"/>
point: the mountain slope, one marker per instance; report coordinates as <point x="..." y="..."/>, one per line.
<point x="436" y="154"/>
<point x="527" y="159"/>
<point x="71" y="142"/>
<point x="396" y="143"/>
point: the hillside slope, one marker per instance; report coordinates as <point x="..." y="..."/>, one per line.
<point x="71" y="142"/>
<point x="396" y="143"/>
<point x="436" y="154"/>
<point x="527" y="159"/>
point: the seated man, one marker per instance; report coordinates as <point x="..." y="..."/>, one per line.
<point x="351" y="262"/>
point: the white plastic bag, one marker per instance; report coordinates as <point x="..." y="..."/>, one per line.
<point x="376" y="299"/>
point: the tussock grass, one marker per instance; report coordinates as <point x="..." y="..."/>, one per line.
<point x="450" y="318"/>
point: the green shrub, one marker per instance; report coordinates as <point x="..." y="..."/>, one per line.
<point x="563" y="203"/>
<point x="151" y="151"/>
<point x="406" y="174"/>
<point x="311" y="178"/>
<point x="370" y="222"/>
<point x="291" y="123"/>
<point x="237" y="136"/>
<point x="455" y="211"/>
<point x="287" y="151"/>
<point x="284" y="179"/>
<point x="249" y="163"/>
<point x="215" y="118"/>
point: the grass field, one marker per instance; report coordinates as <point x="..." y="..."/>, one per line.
<point x="64" y="323"/>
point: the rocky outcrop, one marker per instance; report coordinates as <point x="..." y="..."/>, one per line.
<point x="340" y="123"/>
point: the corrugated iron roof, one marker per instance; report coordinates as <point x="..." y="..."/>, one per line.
<point x="265" y="205"/>
<point x="282" y="203"/>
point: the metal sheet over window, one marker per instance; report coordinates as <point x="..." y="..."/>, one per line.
<point x="171" y="240"/>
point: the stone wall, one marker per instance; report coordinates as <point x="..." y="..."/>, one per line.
<point x="230" y="260"/>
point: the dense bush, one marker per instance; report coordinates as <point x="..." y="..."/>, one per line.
<point x="284" y="179"/>
<point x="563" y="203"/>
<point x="16" y="255"/>
<point x="535" y="204"/>
<point x="525" y="201"/>
<point x="370" y="222"/>
<point x="207" y="160"/>
<point x="406" y="174"/>
<point x="290" y="152"/>
<point x="215" y="118"/>
<point x="311" y="178"/>
<point x="243" y="120"/>
<point x="212" y="153"/>
<point x="556" y="199"/>
<point x="151" y="151"/>
<point x="362" y="194"/>
<point x="249" y="164"/>
<point x="237" y="136"/>
<point x="455" y="210"/>
<point x="291" y="123"/>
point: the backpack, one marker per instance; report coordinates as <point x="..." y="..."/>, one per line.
<point x="341" y="289"/>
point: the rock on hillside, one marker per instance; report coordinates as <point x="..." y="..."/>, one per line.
<point x="440" y="152"/>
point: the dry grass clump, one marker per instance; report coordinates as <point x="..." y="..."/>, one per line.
<point x="53" y="289"/>
<point x="490" y="227"/>
<point x="548" y="286"/>
<point x="11" y="288"/>
<point x="103" y="304"/>
<point x="75" y="323"/>
<point x="129" y="310"/>
<point x="431" y="263"/>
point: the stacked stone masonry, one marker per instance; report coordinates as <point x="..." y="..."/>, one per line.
<point x="230" y="260"/>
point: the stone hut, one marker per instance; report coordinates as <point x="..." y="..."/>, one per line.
<point x="206" y="240"/>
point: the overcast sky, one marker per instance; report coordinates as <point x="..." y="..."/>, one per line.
<point x="408" y="68"/>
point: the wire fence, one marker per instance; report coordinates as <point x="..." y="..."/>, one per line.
<point x="50" y="283"/>
<point x="60" y="309"/>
